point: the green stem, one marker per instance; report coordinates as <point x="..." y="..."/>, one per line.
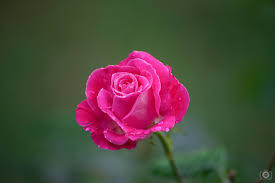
<point x="168" y="152"/>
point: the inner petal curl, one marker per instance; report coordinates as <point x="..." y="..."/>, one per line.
<point x="124" y="83"/>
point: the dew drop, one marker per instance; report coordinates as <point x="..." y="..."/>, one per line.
<point x="87" y="129"/>
<point x="158" y="128"/>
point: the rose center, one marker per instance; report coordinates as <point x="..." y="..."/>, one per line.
<point x="124" y="83"/>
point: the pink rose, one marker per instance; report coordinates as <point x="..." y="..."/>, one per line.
<point x="129" y="101"/>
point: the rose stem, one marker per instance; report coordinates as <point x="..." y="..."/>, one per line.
<point x="269" y="166"/>
<point x="169" y="155"/>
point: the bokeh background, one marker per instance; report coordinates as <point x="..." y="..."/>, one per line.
<point x="223" y="52"/>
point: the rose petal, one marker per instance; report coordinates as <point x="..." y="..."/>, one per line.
<point x="118" y="83"/>
<point x="103" y="143"/>
<point x="174" y="99"/>
<point x="161" y="70"/>
<point x="104" y="100"/>
<point x="86" y="117"/>
<point x="115" y="138"/>
<point x="159" y="66"/>
<point x="143" y="112"/>
<point x="145" y="82"/>
<point x="101" y="78"/>
<point x="143" y="66"/>
<point x="123" y="104"/>
<point x="165" y="124"/>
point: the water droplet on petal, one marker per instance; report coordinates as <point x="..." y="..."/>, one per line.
<point x="158" y="128"/>
<point x="87" y="129"/>
<point x="166" y="129"/>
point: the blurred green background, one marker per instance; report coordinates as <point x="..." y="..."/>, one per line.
<point x="223" y="52"/>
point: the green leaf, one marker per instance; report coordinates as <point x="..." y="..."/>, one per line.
<point x="197" y="164"/>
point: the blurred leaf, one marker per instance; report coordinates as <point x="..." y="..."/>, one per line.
<point x="194" y="165"/>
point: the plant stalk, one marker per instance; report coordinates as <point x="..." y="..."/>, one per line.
<point x="168" y="152"/>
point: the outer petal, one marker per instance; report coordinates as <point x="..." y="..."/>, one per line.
<point x="103" y="143"/>
<point x="86" y="117"/>
<point x="107" y="139"/>
<point x="101" y="78"/>
<point x="165" y="124"/>
<point x="114" y="137"/>
<point x="174" y="99"/>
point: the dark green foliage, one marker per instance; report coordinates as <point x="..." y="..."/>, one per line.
<point x="197" y="165"/>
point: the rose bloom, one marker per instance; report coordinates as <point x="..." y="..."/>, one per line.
<point x="129" y="101"/>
